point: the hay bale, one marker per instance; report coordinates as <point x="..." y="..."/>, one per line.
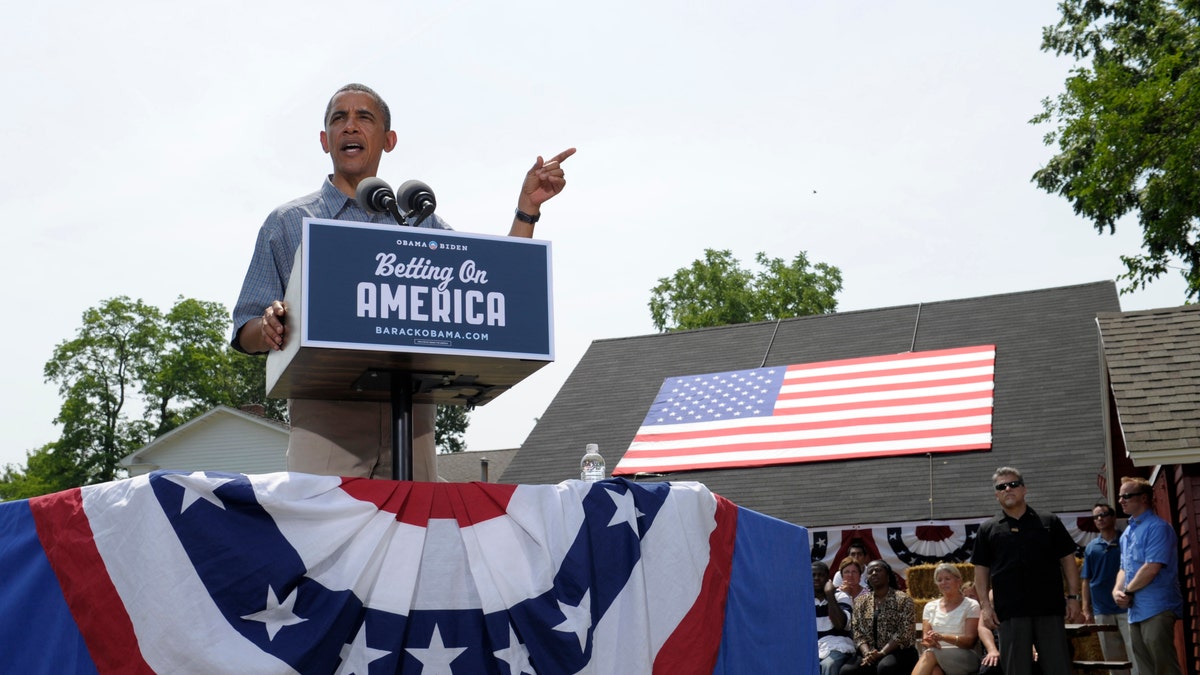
<point x="921" y="583"/>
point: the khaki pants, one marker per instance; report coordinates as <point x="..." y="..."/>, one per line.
<point x="354" y="439"/>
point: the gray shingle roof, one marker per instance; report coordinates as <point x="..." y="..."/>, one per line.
<point x="464" y="467"/>
<point x="1153" y="360"/>
<point x="1047" y="419"/>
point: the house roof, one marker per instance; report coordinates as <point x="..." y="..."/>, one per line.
<point x="1047" y="416"/>
<point x="1153" y="360"/>
<point x="465" y="467"/>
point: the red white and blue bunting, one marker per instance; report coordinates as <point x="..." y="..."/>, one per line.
<point x="923" y="542"/>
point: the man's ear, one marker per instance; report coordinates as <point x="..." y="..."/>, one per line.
<point x="324" y="142"/>
<point x="389" y="141"/>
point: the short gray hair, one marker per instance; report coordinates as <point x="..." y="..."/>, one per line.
<point x="1007" y="471"/>
<point x="362" y="89"/>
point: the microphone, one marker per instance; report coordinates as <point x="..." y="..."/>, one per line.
<point x="374" y="195"/>
<point x="417" y="198"/>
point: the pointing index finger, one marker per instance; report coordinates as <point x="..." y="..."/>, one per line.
<point x="563" y="155"/>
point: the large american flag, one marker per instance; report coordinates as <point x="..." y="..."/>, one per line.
<point x="212" y="573"/>
<point x="899" y="404"/>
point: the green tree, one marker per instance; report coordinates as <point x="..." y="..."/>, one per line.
<point x="449" y="427"/>
<point x="96" y="376"/>
<point x="1128" y="127"/>
<point x="127" y="354"/>
<point x="46" y="470"/>
<point x="718" y="291"/>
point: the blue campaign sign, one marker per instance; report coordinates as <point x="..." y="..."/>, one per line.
<point x="383" y="287"/>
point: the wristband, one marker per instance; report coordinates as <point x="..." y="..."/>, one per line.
<point x="1072" y="597"/>
<point x="526" y="218"/>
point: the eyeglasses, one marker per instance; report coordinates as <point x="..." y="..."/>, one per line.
<point x="1014" y="484"/>
<point x="1130" y="495"/>
<point x="1098" y="516"/>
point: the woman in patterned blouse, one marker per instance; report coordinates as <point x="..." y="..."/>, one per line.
<point x="883" y="624"/>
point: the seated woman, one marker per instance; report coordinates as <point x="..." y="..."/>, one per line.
<point x="883" y="625"/>
<point x="950" y="628"/>
<point x="851" y="573"/>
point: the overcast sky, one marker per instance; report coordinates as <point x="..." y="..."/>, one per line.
<point x="146" y="142"/>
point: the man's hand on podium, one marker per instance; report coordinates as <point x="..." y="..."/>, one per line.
<point x="271" y="328"/>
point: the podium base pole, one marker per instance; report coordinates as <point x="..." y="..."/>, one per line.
<point x="402" y="429"/>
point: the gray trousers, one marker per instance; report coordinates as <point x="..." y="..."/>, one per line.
<point x="354" y="439"/>
<point x="1116" y="646"/>
<point x="1154" y="645"/>
<point x="1020" y="634"/>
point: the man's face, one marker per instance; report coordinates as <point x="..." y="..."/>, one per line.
<point x="1132" y="498"/>
<point x="1104" y="518"/>
<point x="355" y="138"/>
<point x="857" y="554"/>
<point x="820" y="578"/>
<point x="1009" y="495"/>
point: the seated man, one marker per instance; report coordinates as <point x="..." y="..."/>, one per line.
<point x="834" y="646"/>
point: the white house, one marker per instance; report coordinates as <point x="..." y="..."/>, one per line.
<point x="238" y="441"/>
<point x="222" y="439"/>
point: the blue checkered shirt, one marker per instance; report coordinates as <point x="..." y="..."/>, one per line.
<point x="275" y="250"/>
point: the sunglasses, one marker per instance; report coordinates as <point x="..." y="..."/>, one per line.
<point x="1130" y="495"/>
<point x="1102" y="515"/>
<point x="1014" y="484"/>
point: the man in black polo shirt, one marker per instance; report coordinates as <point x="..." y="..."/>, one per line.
<point x="1023" y="557"/>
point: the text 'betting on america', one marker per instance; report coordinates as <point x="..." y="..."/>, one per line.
<point x="434" y="303"/>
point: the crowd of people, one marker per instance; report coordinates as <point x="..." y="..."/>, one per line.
<point x="1012" y="617"/>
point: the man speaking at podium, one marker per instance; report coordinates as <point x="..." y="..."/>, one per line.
<point x="351" y="438"/>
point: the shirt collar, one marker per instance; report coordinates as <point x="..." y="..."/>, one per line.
<point x="1137" y="520"/>
<point x="333" y="198"/>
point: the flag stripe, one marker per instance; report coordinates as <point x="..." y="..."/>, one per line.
<point x="857" y="405"/>
<point x="860" y="386"/>
<point x="796" y="442"/>
<point x="771" y="458"/>
<point x="800" y="426"/>
<point x="884" y="361"/>
<point x="878" y="406"/>
<point x="694" y="645"/>
<point x="98" y="610"/>
<point x="910" y="373"/>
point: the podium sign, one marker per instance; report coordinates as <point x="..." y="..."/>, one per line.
<point x="469" y="313"/>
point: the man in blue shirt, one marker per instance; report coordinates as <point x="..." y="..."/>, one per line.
<point x="1101" y="562"/>
<point x="350" y="438"/>
<point x="1148" y="581"/>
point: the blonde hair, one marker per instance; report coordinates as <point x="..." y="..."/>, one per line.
<point x="947" y="567"/>
<point x="1142" y="483"/>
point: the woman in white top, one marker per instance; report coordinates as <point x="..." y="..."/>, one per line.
<point x="950" y="628"/>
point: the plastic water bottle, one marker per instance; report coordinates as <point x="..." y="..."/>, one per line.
<point x="591" y="467"/>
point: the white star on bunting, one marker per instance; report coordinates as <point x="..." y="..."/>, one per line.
<point x="627" y="511"/>
<point x="435" y="659"/>
<point x="516" y="655"/>
<point x="277" y="615"/>
<point x="577" y="619"/>
<point x="197" y="486"/>
<point x="357" y="656"/>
